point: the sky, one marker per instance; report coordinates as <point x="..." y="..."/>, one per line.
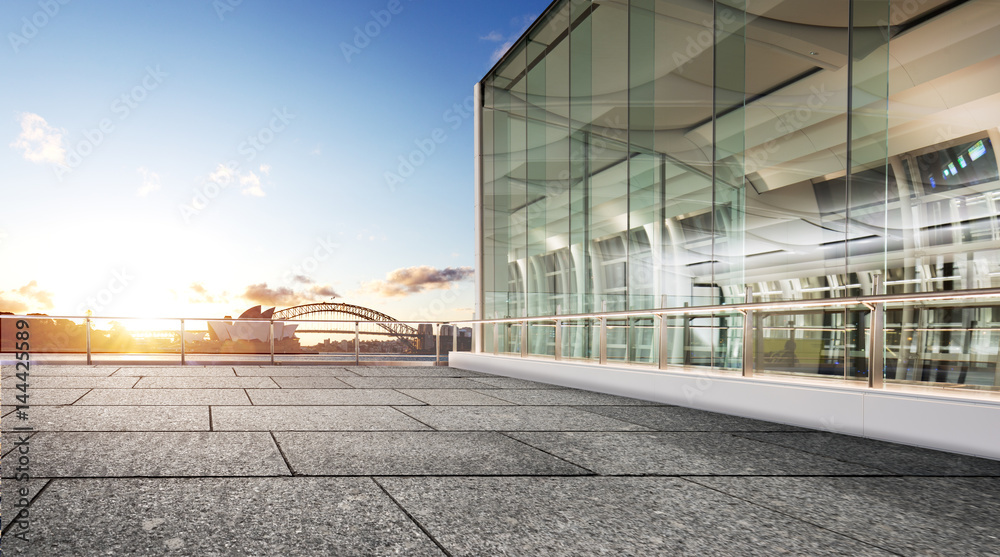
<point x="194" y="158"/>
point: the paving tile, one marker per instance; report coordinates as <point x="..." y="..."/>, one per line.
<point x="41" y="397"/>
<point x="312" y="418"/>
<point x="411" y="382"/>
<point x="514" y="418"/>
<point x="673" y="454"/>
<point x="494" y="382"/>
<point x="65" y="371"/>
<point x="310" y="383"/>
<point x="115" y="418"/>
<point x="563" y="397"/>
<point x="222" y="516"/>
<point x="416" y="453"/>
<point x="897" y="459"/>
<point x="131" y="454"/>
<point x="13" y="502"/>
<point x="78" y="382"/>
<point x="910" y="516"/>
<point x="574" y="516"/>
<point x="9" y="438"/>
<point x="293" y="371"/>
<point x="164" y="397"/>
<point x="412" y="371"/>
<point x="678" y="418"/>
<point x="454" y="397"/>
<point x="206" y="383"/>
<point x="176" y="371"/>
<point x="329" y="397"/>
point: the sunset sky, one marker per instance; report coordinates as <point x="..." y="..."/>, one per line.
<point x="198" y="157"/>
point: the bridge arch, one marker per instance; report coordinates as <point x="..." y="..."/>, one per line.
<point x="403" y="332"/>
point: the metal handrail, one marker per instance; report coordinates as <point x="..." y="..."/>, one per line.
<point x="255" y="319"/>
<point x="750" y="310"/>
<point x="756" y="306"/>
<point x="89" y="319"/>
<point x="874" y="304"/>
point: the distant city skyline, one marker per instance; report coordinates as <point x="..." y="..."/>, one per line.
<point x="201" y="157"/>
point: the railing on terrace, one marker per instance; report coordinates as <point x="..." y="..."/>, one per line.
<point x="948" y="339"/>
<point x="187" y="340"/>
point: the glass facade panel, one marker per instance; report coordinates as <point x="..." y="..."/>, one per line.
<point x="542" y="338"/>
<point x="647" y="154"/>
<point x="579" y="337"/>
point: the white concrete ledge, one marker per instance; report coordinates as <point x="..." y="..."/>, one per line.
<point x="947" y="421"/>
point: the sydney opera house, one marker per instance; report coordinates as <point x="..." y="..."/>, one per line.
<point x="252" y="325"/>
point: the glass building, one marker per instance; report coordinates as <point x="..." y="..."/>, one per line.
<point x="639" y="155"/>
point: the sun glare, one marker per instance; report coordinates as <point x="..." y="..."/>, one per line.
<point x="141" y="325"/>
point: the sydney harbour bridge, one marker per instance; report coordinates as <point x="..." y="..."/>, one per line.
<point x="367" y="321"/>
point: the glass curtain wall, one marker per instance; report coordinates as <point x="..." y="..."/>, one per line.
<point x="642" y="154"/>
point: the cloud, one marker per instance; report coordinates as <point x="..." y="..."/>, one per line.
<point x="324" y="291"/>
<point x="520" y="25"/>
<point x="201" y="294"/>
<point x="283" y="297"/>
<point x="39" y="142"/>
<point x="150" y="182"/>
<point x="27" y="298"/>
<point x="31" y="291"/>
<point x="277" y="297"/>
<point x="413" y="280"/>
<point x="317" y="151"/>
<point x="251" y="183"/>
<point x="524" y="21"/>
<point x="12" y="306"/>
<point x="222" y="175"/>
<point x="500" y="51"/>
<point x="302" y="279"/>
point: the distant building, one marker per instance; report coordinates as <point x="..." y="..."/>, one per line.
<point x="428" y="344"/>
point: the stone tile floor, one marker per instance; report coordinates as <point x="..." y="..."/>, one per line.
<point x="310" y="460"/>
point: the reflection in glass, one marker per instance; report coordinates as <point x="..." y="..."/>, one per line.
<point x="643" y="154"/>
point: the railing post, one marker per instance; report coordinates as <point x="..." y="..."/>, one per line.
<point x="748" y="345"/>
<point x="758" y="338"/>
<point x="454" y="339"/>
<point x="89" y="359"/>
<point x="272" y="342"/>
<point x="687" y="338"/>
<point x="496" y="338"/>
<point x="437" y="344"/>
<point x="664" y="355"/>
<point x="357" y="344"/>
<point x="876" y="337"/>
<point x="557" y="350"/>
<point x="604" y="341"/>
<point x="524" y="339"/>
<point x="182" y="342"/>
